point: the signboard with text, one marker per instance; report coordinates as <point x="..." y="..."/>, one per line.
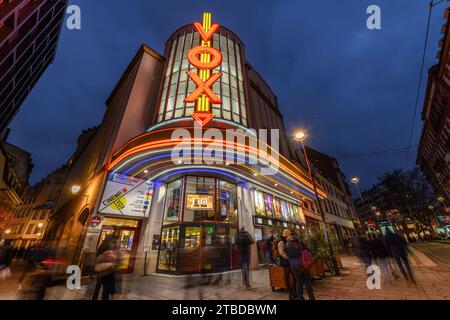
<point x="127" y="196"/>
<point x="199" y="202"/>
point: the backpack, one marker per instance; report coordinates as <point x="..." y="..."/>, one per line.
<point x="305" y="257"/>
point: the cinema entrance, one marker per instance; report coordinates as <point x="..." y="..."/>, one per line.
<point x="127" y="232"/>
<point x="199" y="228"/>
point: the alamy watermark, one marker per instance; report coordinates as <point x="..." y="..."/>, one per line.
<point x="234" y="146"/>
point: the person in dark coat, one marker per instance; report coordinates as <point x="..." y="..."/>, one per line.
<point x="268" y="248"/>
<point x="397" y="248"/>
<point x="107" y="255"/>
<point x="294" y="249"/>
<point x="244" y="241"/>
<point x="363" y="250"/>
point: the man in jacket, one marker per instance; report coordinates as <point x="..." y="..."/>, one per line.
<point x="294" y="249"/>
<point x="244" y="240"/>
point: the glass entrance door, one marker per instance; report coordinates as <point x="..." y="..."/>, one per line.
<point x="127" y="232"/>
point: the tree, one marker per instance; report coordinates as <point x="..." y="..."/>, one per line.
<point x="410" y="193"/>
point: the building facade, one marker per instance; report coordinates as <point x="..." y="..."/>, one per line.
<point x="15" y="169"/>
<point x="174" y="170"/>
<point x="434" y="149"/>
<point x="31" y="216"/>
<point x="29" y="34"/>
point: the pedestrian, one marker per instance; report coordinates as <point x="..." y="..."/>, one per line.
<point x="107" y="262"/>
<point x="363" y="250"/>
<point x="284" y="262"/>
<point x="6" y="255"/>
<point x="381" y="258"/>
<point x="299" y="267"/>
<point x="269" y="248"/>
<point x="244" y="241"/>
<point x="397" y="248"/>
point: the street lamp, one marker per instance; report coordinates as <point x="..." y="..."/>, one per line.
<point x="301" y="136"/>
<point x="355" y="181"/>
<point x="75" y="189"/>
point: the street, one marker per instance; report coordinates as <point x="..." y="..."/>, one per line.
<point x="430" y="261"/>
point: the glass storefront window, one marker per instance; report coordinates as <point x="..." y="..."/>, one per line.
<point x="173" y="202"/>
<point x="199" y="204"/>
<point x="226" y="202"/>
<point x="268" y="201"/>
<point x="277" y="208"/>
<point x="168" y="249"/>
<point x="284" y="210"/>
<point x="259" y="203"/>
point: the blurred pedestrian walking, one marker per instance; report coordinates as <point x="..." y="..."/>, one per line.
<point x="397" y="248"/>
<point x="6" y="255"/>
<point x="107" y="264"/>
<point x="299" y="261"/>
<point x="244" y="241"/>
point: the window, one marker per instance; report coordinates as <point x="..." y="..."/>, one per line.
<point x="35" y="215"/>
<point x="259" y="203"/>
<point x="199" y="204"/>
<point x="173" y="202"/>
<point x="227" y="202"/>
<point x="30" y="229"/>
<point x="268" y="201"/>
<point x="43" y="215"/>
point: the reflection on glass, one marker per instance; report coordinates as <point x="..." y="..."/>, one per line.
<point x="227" y="202"/>
<point x="259" y="203"/>
<point x="173" y="202"/>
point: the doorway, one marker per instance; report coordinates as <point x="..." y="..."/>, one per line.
<point x="128" y="231"/>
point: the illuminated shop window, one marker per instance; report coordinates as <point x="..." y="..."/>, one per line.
<point x="259" y="203"/>
<point x="284" y="210"/>
<point x="268" y="201"/>
<point x="199" y="204"/>
<point x="173" y="202"/>
<point x="277" y="208"/>
<point x="226" y="202"/>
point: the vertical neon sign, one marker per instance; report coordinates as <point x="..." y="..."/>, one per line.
<point x="205" y="58"/>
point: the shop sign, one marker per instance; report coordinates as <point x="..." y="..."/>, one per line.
<point x="127" y="196"/>
<point x="205" y="58"/>
<point x="199" y="202"/>
<point x="96" y="221"/>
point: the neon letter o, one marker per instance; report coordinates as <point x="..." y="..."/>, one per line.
<point x="194" y="54"/>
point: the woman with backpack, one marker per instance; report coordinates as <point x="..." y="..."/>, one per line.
<point x="299" y="261"/>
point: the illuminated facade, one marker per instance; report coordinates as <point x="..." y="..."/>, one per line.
<point x="184" y="213"/>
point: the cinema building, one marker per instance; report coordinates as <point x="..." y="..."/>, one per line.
<point x="183" y="214"/>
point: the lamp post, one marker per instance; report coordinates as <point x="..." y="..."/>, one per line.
<point x="355" y="181"/>
<point x="301" y="136"/>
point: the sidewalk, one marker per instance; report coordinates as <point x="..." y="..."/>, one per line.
<point x="432" y="283"/>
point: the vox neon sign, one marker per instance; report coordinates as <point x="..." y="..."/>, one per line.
<point x="205" y="58"/>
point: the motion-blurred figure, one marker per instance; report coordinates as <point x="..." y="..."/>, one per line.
<point x="381" y="257"/>
<point x="41" y="266"/>
<point x="363" y="250"/>
<point x="6" y="255"/>
<point x="294" y="250"/>
<point x="397" y="248"/>
<point x="269" y="248"/>
<point x="244" y="240"/>
<point x="284" y="262"/>
<point x="107" y="262"/>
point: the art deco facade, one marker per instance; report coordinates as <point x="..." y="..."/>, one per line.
<point x="29" y="34"/>
<point x="434" y="149"/>
<point x="184" y="214"/>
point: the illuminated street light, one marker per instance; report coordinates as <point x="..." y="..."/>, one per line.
<point x="355" y="180"/>
<point x="75" y="189"/>
<point x="8" y="231"/>
<point x="301" y="135"/>
<point x="40" y="225"/>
